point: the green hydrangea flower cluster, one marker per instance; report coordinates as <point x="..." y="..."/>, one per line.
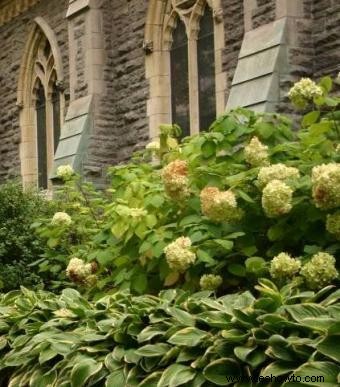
<point x="210" y="282"/>
<point x="256" y="153"/>
<point x="65" y="172"/>
<point x="304" y="92"/>
<point x="178" y="254"/>
<point x="326" y="185"/>
<point x="276" y="172"/>
<point x="283" y="266"/>
<point x="61" y="219"/>
<point x="277" y="199"/>
<point x="319" y="271"/>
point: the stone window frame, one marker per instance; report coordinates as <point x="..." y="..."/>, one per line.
<point x="161" y="21"/>
<point x="26" y="99"/>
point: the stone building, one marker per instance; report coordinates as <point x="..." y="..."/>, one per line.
<point x="86" y="82"/>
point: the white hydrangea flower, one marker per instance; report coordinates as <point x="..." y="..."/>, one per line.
<point x="219" y="206"/>
<point x="276" y="172"/>
<point x="61" y="218"/>
<point x="304" y="91"/>
<point x="319" y="271"/>
<point x="326" y="185"/>
<point x="178" y="254"/>
<point x="283" y="266"/>
<point x="277" y="198"/>
<point x="210" y="282"/>
<point x="256" y="153"/>
<point x="65" y="172"/>
<point x="79" y="271"/>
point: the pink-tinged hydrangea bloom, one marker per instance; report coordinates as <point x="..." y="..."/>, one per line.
<point x="326" y="185"/>
<point x="80" y="272"/>
<point x="219" y="206"/>
<point x="175" y="179"/>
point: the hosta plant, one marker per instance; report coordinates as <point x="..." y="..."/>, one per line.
<point x="275" y="339"/>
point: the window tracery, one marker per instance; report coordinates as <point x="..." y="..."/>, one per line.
<point x="41" y="101"/>
<point x="187" y="83"/>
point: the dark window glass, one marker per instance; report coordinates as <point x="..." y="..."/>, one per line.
<point x="56" y="116"/>
<point x="41" y="137"/>
<point x="206" y="70"/>
<point x="180" y="79"/>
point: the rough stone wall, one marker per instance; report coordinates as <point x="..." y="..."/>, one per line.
<point x="326" y="37"/>
<point x="121" y="123"/>
<point x="232" y="11"/>
<point x="81" y="86"/>
<point x="13" y="37"/>
<point x="264" y="13"/>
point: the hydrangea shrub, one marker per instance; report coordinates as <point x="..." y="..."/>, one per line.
<point x="254" y="196"/>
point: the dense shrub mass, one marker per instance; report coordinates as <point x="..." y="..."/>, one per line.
<point x="19" y="247"/>
<point x="175" y="339"/>
<point x="248" y="213"/>
<point x="212" y="212"/>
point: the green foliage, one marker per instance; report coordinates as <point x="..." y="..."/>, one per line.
<point x="19" y="247"/>
<point x="85" y="205"/>
<point x="126" y="228"/>
<point x="175" y="339"/>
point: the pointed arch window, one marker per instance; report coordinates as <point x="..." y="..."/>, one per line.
<point x="47" y="111"/>
<point x="188" y="85"/>
<point x="42" y="103"/>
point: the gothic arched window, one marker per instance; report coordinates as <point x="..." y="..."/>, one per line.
<point x="184" y="44"/>
<point x="47" y="111"/>
<point x="42" y="106"/>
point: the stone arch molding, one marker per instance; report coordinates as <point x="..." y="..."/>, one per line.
<point x="28" y="77"/>
<point x="162" y="19"/>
